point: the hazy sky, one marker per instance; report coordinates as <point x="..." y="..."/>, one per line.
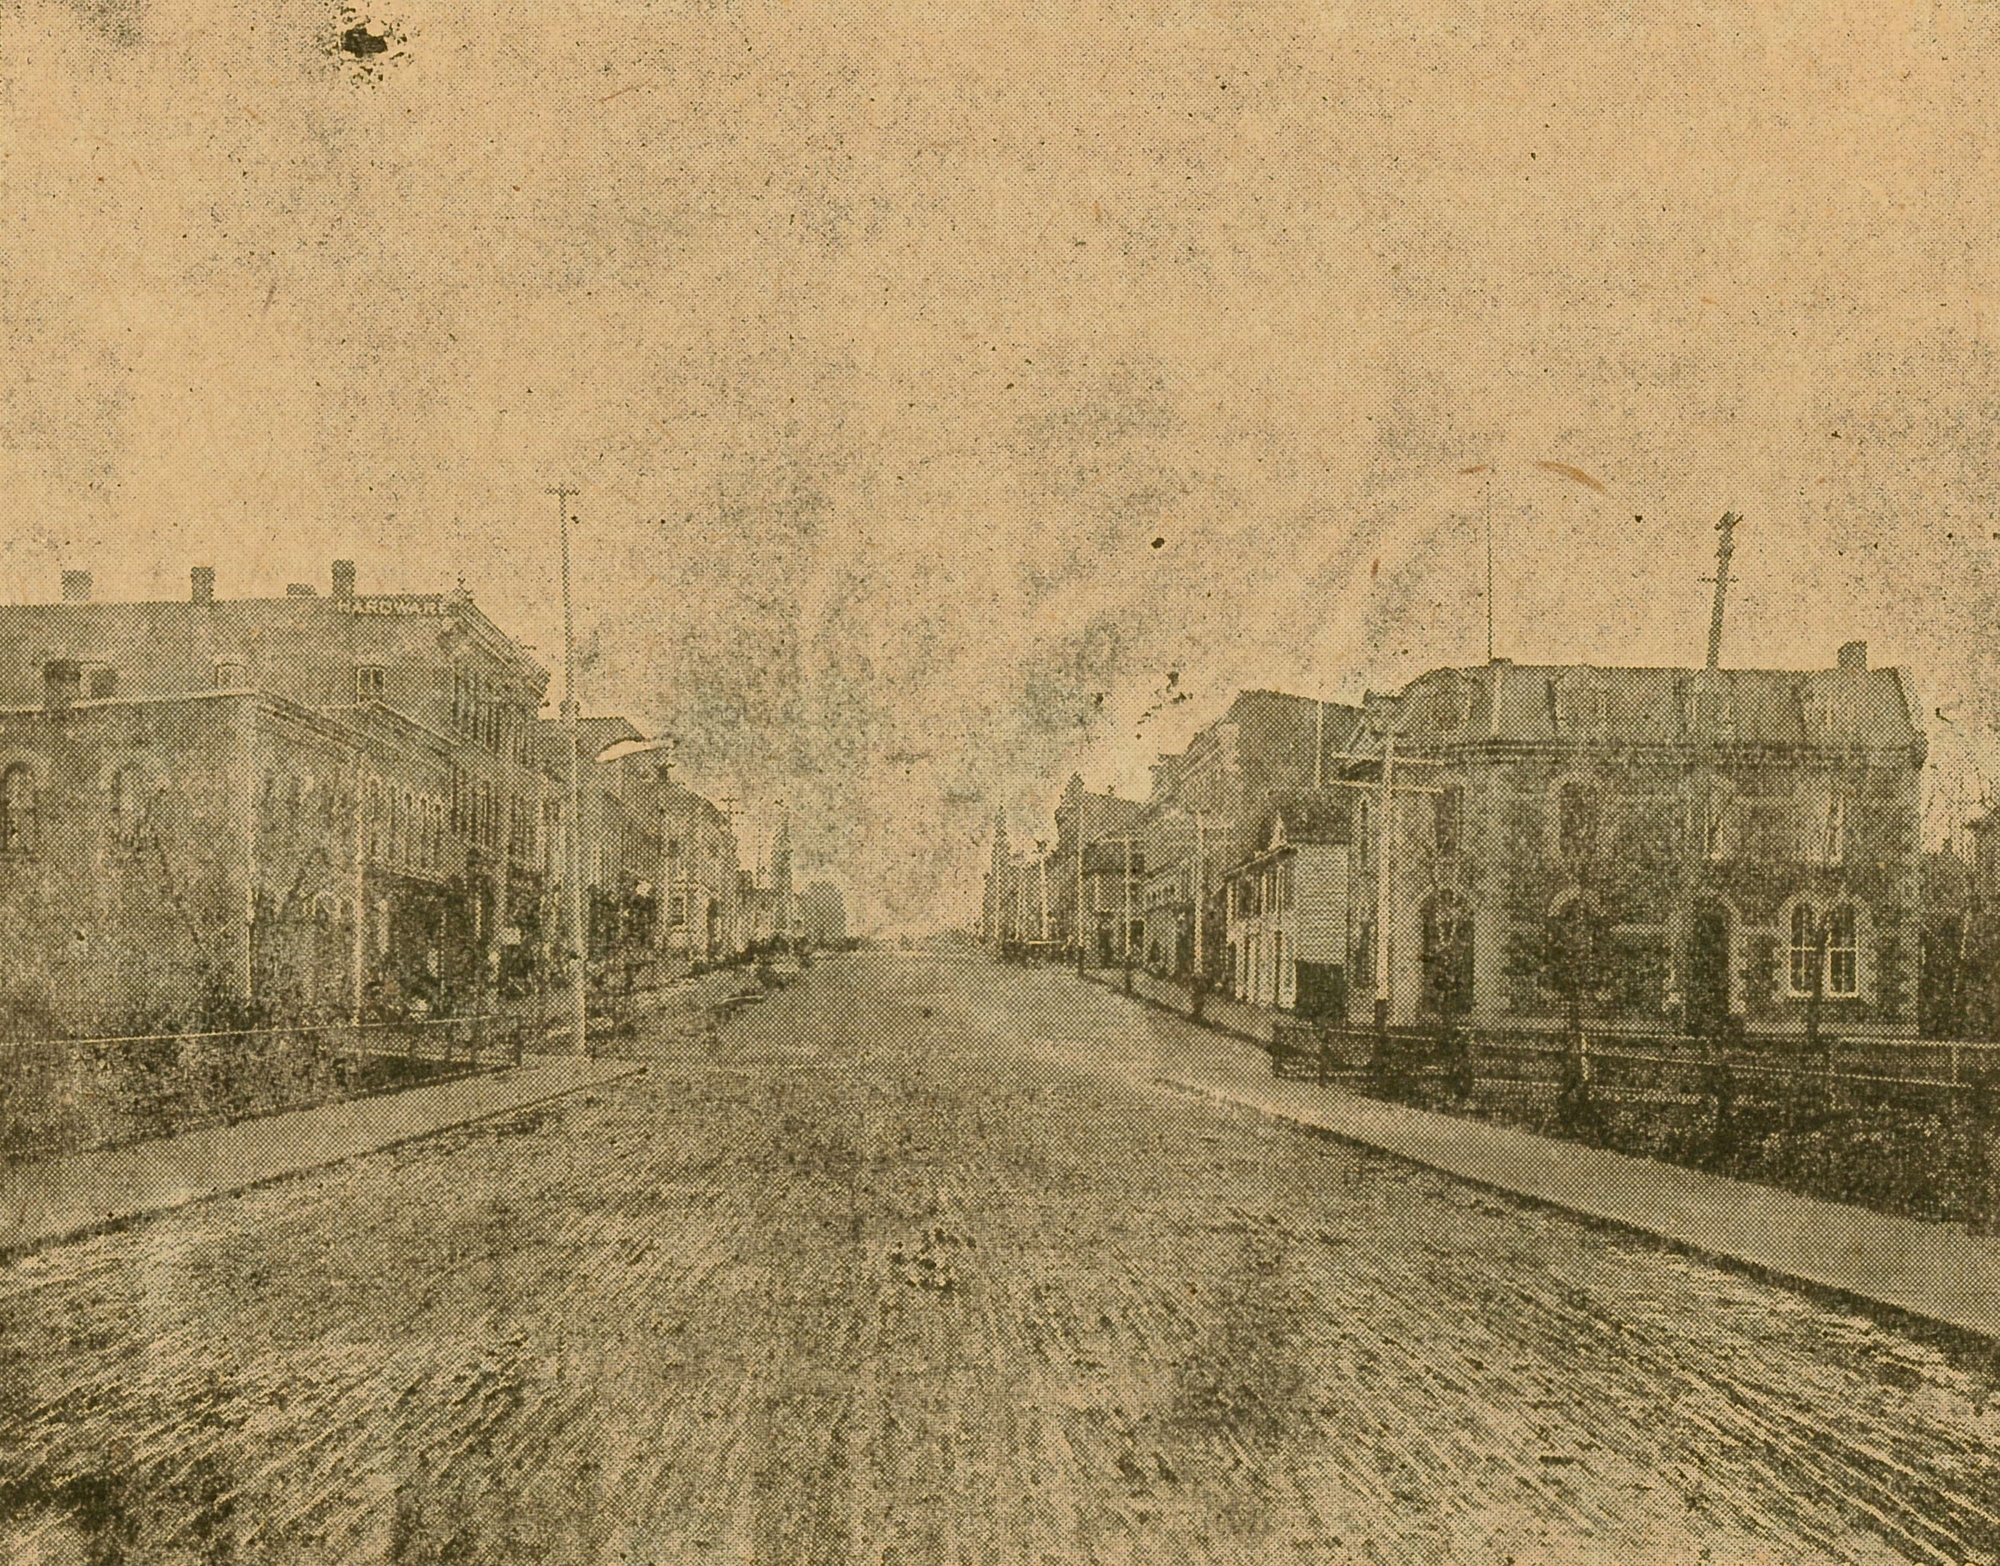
<point x="938" y="381"/>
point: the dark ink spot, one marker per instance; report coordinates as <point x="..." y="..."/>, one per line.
<point x="1158" y="542"/>
<point x="366" y="46"/>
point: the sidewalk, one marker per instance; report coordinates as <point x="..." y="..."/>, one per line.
<point x="1219" y="1012"/>
<point x="74" y="1194"/>
<point x="1930" y="1271"/>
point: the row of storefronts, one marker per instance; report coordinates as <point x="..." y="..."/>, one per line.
<point x="321" y="806"/>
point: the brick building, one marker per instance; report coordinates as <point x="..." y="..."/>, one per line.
<point x="1649" y="846"/>
<point x="313" y="804"/>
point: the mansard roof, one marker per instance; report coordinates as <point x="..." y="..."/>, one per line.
<point x="1850" y="707"/>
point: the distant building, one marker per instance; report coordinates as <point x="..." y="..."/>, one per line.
<point x="1096" y="871"/>
<point x="1210" y="805"/>
<point x="1289" y="907"/>
<point x="701" y="870"/>
<point x="822" y="914"/>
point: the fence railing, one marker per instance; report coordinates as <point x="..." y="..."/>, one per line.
<point x="1636" y="1064"/>
<point x="61" y="1093"/>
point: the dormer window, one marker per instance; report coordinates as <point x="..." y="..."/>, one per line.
<point x="370" y="682"/>
<point x="1448" y="704"/>
<point x="1584" y="706"/>
<point x="229" y="674"/>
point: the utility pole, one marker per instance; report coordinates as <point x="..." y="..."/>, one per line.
<point x="1042" y="868"/>
<point x="1076" y="924"/>
<point x="579" y="1007"/>
<point x="1128" y="899"/>
<point x="1384" y="838"/>
<point x="1706" y="722"/>
<point x="1200" y="888"/>
<point x="1724" y="549"/>
<point x="1489" y="565"/>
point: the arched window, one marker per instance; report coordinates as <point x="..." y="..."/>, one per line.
<point x="1577" y="820"/>
<point x="17" y="810"/>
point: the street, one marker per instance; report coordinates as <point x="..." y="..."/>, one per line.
<point x="913" y="1264"/>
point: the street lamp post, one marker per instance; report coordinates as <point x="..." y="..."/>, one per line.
<point x="579" y="1008"/>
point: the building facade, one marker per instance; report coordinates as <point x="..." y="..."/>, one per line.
<point x="1096" y="870"/>
<point x="1288" y="908"/>
<point x="311" y="806"/>
<point x="1210" y="804"/>
<point x="1646" y="847"/>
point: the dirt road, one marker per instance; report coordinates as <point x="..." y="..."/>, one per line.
<point x="912" y="1267"/>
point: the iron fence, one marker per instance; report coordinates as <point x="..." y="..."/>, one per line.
<point x="72" y="1093"/>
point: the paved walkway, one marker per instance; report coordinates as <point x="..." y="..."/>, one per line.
<point x="1934" y="1272"/>
<point x="59" y="1198"/>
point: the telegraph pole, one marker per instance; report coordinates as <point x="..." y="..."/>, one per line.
<point x="1200" y="876"/>
<point x="1076" y="924"/>
<point x="1724" y="549"/>
<point x="579" y="1007"/>
<point x="1128" y="900"/>
<point x="1383" y="840"/>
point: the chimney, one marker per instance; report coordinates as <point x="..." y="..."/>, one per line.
<point x="301" y="590"/>
<point x="343" y="579"/>
<point x="203" y="578"/>
<point x="62" y="683"/>
<point x="1854" y="655"/>
<point x="76" y="587"/>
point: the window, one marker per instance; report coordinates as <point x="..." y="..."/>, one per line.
<point x="1449" y="807"/>
<point x="370" y="682"/>
<point x="1843" y="966"/>
<point x="228" y="674"/>
<point x="1805" y="948"/>
<point x="1584" y="706"/>
<point x="1831" y="948"/>
<point x="1715" y="819"/>
<point x="1448" y="704"/>
<point x="1447" y="957"/>
<point x="128" y="805"/>
<point x="1833" y="839"/>
<point x="17" y="810"/>
<point x="1577" y="815"/>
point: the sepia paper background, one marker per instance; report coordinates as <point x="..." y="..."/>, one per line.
<point x="951" y="389"/>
